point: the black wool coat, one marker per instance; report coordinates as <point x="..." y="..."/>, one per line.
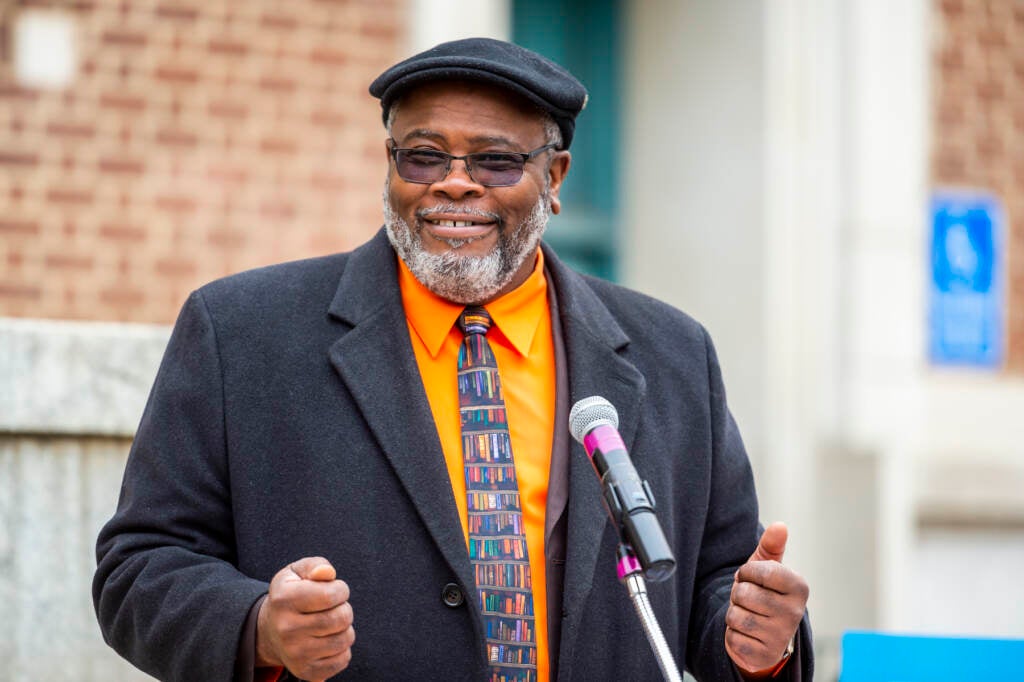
<point x="288" y="419"/>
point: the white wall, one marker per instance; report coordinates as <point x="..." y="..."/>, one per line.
<point x="693" y="199"/>
<point x="436" y="21"/>
<point x="776" y="187"/>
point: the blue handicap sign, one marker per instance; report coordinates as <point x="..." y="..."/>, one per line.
<point x="965" y="298"/>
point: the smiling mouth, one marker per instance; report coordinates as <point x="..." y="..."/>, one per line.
<point x="460" y="226"/>
<point x="457" y="223"/>
<point x="458" y="233"/>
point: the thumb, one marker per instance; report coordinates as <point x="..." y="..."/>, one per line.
<point x="773" y="543"/>
<point x="313" y="568"/>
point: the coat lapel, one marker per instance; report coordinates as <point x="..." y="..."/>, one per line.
<point x="593" y="342"/>
<point x="376" y="362"/>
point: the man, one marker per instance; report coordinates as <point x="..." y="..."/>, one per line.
<point x="308" y="464"/>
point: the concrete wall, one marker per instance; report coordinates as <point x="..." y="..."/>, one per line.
<point x="72" y="397"/>
<point x="55" y="493"/>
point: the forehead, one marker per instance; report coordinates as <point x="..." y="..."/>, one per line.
<point x="463" y="108"/>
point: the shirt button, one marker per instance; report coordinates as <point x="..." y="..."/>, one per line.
<point x="452" y="595"/>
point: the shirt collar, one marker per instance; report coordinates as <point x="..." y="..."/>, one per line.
<point x="517" y="314"/>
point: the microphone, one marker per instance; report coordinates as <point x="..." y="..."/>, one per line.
<point x="594" y="422"/>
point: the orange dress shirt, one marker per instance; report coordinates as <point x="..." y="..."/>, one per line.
<point x="520" y="337"/>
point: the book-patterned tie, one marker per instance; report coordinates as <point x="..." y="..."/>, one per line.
<point x="497" y="541"/>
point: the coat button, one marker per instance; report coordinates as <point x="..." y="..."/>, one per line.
<point x="452" y="595"/>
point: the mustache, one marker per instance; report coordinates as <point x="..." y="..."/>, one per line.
<point x="456" y="208"/>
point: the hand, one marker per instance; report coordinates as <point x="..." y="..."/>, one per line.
<point x="305" y="623"/>
<point x="766" y="605"/>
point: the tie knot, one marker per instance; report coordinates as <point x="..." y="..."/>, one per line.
<point x="474" y="320"/>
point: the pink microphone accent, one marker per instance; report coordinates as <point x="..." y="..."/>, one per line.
<point x="604" y="438"/>
<point x="628" y="565"/>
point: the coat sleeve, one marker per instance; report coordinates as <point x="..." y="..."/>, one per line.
<point x="731" y="533"/>
<point x="166" y="592"/>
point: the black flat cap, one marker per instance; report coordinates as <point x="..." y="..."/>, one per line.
<point x="505" y="65"/>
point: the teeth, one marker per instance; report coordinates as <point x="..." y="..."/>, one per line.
<point x="454" y="223"/>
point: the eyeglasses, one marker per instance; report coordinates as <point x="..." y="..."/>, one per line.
<point x="490" y="169"/>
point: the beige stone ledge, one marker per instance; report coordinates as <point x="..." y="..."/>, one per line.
<point x="982" y="493"/>
<point x="80" y="378"/>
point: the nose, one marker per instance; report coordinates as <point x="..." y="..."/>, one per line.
<point x="458" y="183"/>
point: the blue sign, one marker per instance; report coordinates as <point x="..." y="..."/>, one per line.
<point x="881" y="657"/>
<point x="966" y="301"/>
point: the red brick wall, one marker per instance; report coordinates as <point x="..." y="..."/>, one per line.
<point x="199" y="138"/>
<point x="978" y="135"/>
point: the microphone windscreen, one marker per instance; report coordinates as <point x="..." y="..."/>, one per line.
<point x="588" y="413"/>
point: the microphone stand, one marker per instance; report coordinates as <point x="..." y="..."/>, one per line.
<point x="631" y="575"/>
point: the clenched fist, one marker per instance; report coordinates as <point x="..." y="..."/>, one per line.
<point x="305" y="623"/>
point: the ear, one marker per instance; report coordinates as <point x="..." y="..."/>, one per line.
<point x="556" y="174"/>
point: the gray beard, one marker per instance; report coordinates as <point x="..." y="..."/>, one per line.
<point x="467" y="280"/>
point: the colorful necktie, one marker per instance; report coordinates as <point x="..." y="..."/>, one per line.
<point x="497" y="541"/>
